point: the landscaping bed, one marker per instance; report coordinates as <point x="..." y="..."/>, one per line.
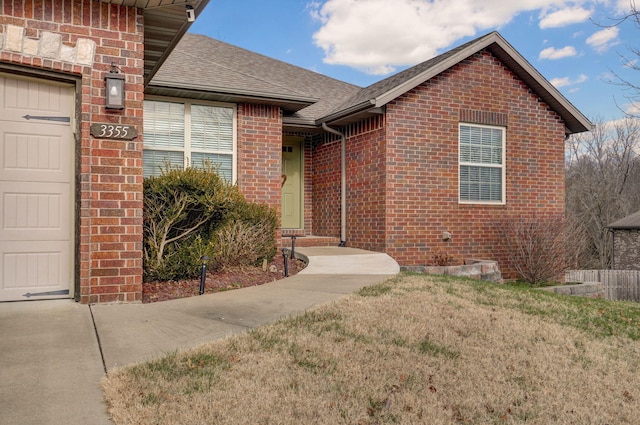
<point x="224" y="280"/>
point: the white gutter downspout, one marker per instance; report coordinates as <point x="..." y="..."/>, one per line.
<point x="343" y="183"/>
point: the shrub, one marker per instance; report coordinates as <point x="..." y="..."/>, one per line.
<point x="240" y="243"/>
<point x="442" y="259"/>
<point x="184" y="210"/>
<point x="534" y="246"/>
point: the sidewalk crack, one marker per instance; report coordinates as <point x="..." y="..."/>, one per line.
<point x="95" y="329"/>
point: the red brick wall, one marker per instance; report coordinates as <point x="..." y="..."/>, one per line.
<point x="260" y="154"/>
<point x="308" y="186"/>
<point x="366" y="182"/>
<point x="422" y="162"/>
<point x="109" y="172"/>
<point x="326" y="186"/>
<point x="366" y="177"/>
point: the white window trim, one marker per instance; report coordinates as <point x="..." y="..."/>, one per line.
<point x="187" y="130"/>
<point x="503" y="166"/>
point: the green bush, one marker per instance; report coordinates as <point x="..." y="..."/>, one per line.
<point x="194" y="212"/>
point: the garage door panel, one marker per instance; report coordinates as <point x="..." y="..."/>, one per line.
<point x="26" y="96"/>
<point x="36" y="189"/>
<point x="33" y="270"/>
<point x="34" y="154"/>
<point x="37" y="210"/>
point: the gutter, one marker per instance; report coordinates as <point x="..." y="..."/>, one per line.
<point x="343" y="183"/>
<point x="249" y="94"/>
<point x="363" y="106"/>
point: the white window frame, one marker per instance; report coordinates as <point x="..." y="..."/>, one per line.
<point x="187" y="151"/>
<point x="502" y="166"/>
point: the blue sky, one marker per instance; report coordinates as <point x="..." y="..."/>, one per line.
<point x="363" y="41"/>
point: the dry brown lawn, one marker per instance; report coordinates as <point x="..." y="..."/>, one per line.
<point x="414" y="350"/>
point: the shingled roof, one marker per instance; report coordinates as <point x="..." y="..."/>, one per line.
<point x="204" y="68"/>
<point x="382" y="92"/>
<point x="629" y="222"/>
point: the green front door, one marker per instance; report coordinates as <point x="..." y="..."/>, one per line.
<point x="292" y="183"/>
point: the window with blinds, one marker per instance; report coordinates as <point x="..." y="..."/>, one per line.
<point x="481" y="176"/>
<point x="178" y="134"/>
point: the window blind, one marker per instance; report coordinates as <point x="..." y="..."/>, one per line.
<point x="481" y="163"/>
<point x="208" y="138"/>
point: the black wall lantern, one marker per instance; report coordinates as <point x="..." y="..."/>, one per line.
<point x="114" y="86"/>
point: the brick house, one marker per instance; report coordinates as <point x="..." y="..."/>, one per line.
<point x="444" y="148"/>
<point x="626" y="243"/>
<point x="71" y="201"/>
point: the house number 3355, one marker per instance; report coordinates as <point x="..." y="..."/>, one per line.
<point x="114" y="131"/>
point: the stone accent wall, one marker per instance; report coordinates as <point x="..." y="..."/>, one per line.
<point x="80" y="39"/>
<point x="48" y="46"/>
<point x="627" y="249"/>
<point x="472" y="269"/>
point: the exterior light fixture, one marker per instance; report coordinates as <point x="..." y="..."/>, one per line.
<point x="114" y="86"/>
<point x="191" y="13"/>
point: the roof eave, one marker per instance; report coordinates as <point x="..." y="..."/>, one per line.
<point x="163" y="21"/>
<point x="336" y="116"/>
<point x="298" y="124"/>
<point x="288" y="103"/>
<point x="575" y="121"/>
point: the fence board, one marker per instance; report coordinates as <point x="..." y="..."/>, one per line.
<point x="619" y="285"/>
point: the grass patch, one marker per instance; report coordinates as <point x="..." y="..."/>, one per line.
<point x="426" y="346"/>
<point x="416" y="349"/>
<point x="375" y="290"/>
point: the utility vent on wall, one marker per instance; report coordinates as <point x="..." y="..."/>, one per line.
<point x="287" y="149"/>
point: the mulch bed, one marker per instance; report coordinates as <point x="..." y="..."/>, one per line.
<point x="218" y="281"/>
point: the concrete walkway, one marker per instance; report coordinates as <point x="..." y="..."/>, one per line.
<point x="53" y="354"/>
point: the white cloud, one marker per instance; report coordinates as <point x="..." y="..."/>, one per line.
<point x="564" y="17"/>
<point x="377" y="35"/>
<point x="601" y="41"/>
<point x="553" y="53"/>
<point x="566" y="81"/>
<point x="624" y="7"/>
<point x="633" y="109"/>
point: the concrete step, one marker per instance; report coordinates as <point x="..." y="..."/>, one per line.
<point x="307" y="241"/>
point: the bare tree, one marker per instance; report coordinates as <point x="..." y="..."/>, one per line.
<point x="630" y="61"/>
<point x="603" y="182"/>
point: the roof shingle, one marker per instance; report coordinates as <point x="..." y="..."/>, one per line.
<point x="214" y="66"/>
<point x="630" y="222"/>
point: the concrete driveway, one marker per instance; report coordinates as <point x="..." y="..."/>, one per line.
<point x="54" y="353"/>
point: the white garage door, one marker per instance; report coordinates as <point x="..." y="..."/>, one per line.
<point x="36" y="172"/>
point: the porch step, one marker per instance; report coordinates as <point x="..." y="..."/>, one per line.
<point x="307" y="241"/>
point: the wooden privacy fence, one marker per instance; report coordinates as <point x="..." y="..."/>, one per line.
<point x="619" y="285"/>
